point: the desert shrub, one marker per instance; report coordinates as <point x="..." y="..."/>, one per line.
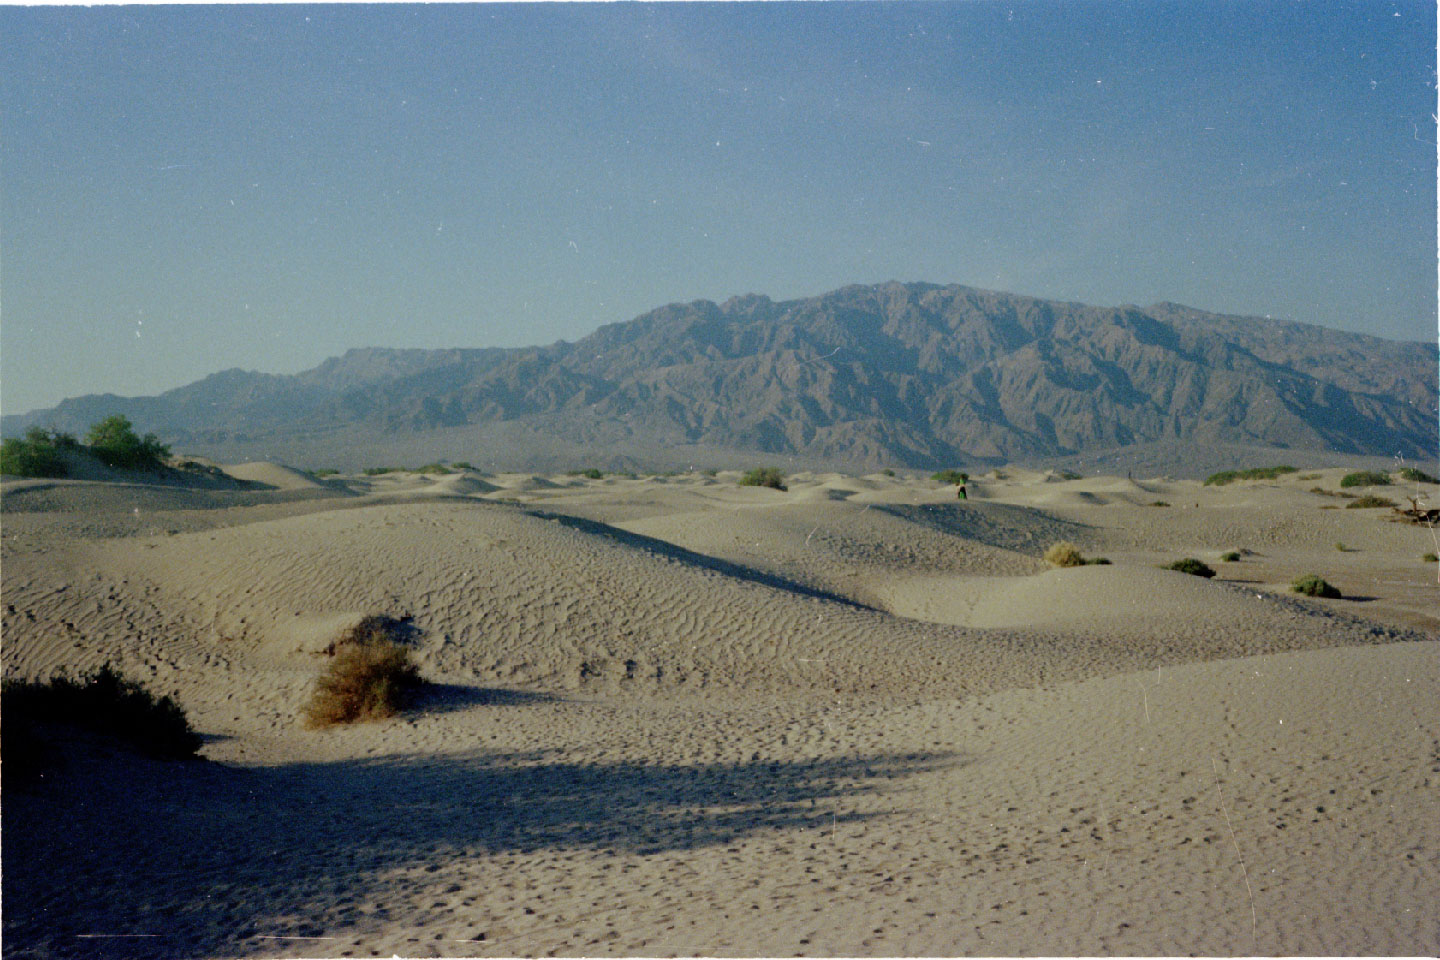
<point x="1064" y="554"/>
<point x="591" y="473"/>
<point x="370" y="678"/>
<point x="1096" y="562"/>
<point x="888" y="472"/>
<point x="1314" y="586"/>
<point x="956" y="477"/>
<point x="1365" y="478"/>
<point x="709" y="472"/>
<point x="113" y="441"/>
<point x="1160" y="503"/>
<point x="1369" y="502"/>
<point x="1415" y="476"/>
<point x="1254" y="473"/>
<point x="1230" y="556"/>
<point x="325" y="472"/>
<point x="1193" y="567"/>
<point x="463" y="465"/>
<point x="1332" y="493"/>
<point x="37" y="454"/>
<point x="771" y="477"/>
<point x="435" y="468"/>
<point x="1308" y="476"/>
<point x="1070" y="475"/>
<point x="1339" y="545"/>
<point x="1429" y="558"/>
<point x="106" y="702"/>
<point x="377" y="471"/>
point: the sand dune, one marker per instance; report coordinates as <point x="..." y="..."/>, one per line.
<point x="856" y="717"/>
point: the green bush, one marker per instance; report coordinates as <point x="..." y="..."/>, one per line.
<point x="1230" y="556"/>
<point x="438" y="469"/>
<point x="1254" y="473"/>
<point x="1096" y="562"/>
<point x="463" y="465"/>
<point x="771" y="477"/>
<point x="1429" y="558"/>
<point x="105" y="702"/>
<point x="888" y="472"/>
<point x="1415" y="476"/>
<point x="1365" y="478"/>
<point x="1368" y="502"/>
<point x="1070" y="475"/>
<point x="113" y="441"/>
<point x="1314" y="586"/>
<point x="36" y="455"/>
<point x="325" y="472"/>
<point x="591" y="473"/>
<point x="1160" y="503"/>
<point x="1193" y="567"/>
<point x="378" y="471"/>
<point x="956" y="477"/>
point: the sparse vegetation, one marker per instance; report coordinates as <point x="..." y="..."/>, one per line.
<point x="1341" y="547"/>
<point x="1369" y="502"/>
<point x="771" y="477"/>
<point x="591" y="473"/>
<point x="1415" y="476"/>
<point x="1070" y="475"/>
<point x="105" y="702"/>
<point x="1365" y="478"/>
<point x="1308" y="476"/>
<point x="956" y="477"/>
<point x="709" y="472"/>
<point x="888" y="472"/>
<point x="324" y="472"/>
<point x="379" y="471"/>
<point x="1064" y="554"/>
<point x="1193" y="567"/>
<point x="1332" y="493"/>
<point x="439" y="469"/>
<point x="1429" y="558"/>
<point x="1160" y="503"/>
<point x="463" y="465"/>
<point x="112" y="441"/>
<point x="1097" y="562"/>
<point x="1254" y="473"/>
<point x="370" y="678"/>
<point x="1314" y="586"/>
<point x="1230" y="556"/>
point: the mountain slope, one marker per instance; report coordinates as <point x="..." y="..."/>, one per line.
<point x="912" y="374"/>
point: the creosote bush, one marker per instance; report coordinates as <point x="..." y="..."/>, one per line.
<point x="1415" y="476"/>
<point x="1369" y="502"/>
<point x="771" y="477"/>
<point x="1230" y="556"/>
<point x="1314" y="586"/>
<point x="591" y="473"/>
<point x="1254" y="473"/>
<point x="1365" y="478"/>
<point x="370" y="678"/>
<point x="1193" y="567"/>
<point x="107" y="703"/>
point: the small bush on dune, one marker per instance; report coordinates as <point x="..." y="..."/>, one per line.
<point x="1314" y="586"/>
<point x="1064" y="554"/>
<point x="1429" y="558"/>
<point x="37" y="454"/>
<point x="378" y="471"/>
<point x="370" y="678"/>
<point x="1193" y="567"/>
<point x="888" y="472"/>
<point x="1254" y="473"/>
<point x="114" y="443"/>
<point x="1160" y="503"/>
<point x="591" y="473"/>
<point x="1070" y="475"/>
<point x="438" y="469"/>
<point x="463" y="465"/>
<point x="1369" y="502"/>
<point x="1230" y="556"/>
<point x="324" y="472"/>
<point x="106" y="702"/>
<point x="1365" y="478"/>
<point x="1097" y="562"/>
<point x="956" y="477"/>
<point x="771" y="477"/>
<point x="1415" y="476"/>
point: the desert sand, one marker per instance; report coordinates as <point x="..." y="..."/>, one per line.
<point x="669" y="715"/>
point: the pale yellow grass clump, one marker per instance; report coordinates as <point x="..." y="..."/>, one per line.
<point x="370" y="677"/>
<point x="1064" y="554"/>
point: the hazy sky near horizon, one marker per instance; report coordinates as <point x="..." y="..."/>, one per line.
<point x="188" y="189"/>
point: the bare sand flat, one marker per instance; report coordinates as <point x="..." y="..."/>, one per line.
<point x="672" y="715"/>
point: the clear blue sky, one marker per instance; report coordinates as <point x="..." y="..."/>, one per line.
<point x="186" y="189"/>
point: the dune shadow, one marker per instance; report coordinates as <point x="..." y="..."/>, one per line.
<point x="673" y="551"/>
<point x="1003" y="525"/>
<point x="202" y="859"/>
<point x="453" y="698"/>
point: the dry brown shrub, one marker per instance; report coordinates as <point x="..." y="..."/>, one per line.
<point x="1064" y="554"/>
<point x="366" y="680"/>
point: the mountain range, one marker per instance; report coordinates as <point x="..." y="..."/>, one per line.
<point x="901" y="374"/>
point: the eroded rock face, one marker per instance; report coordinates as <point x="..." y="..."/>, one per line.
<point x="912" y="374"/>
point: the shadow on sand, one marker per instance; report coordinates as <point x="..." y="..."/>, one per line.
<point x="176" y="859"/>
